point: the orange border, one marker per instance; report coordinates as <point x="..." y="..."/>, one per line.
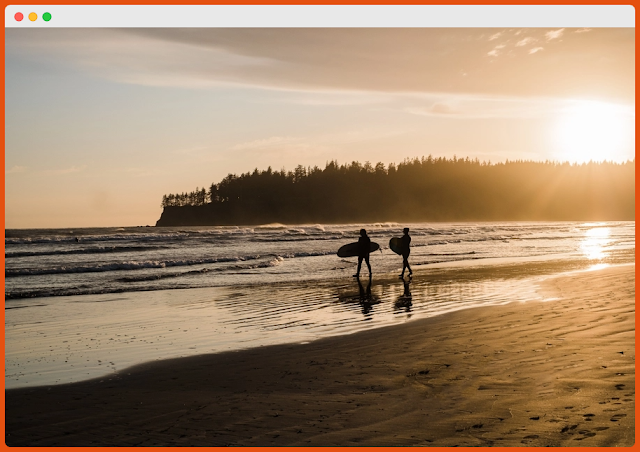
<point x="633" y="3"/>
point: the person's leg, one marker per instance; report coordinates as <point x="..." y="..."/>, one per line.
<point x="359" y="265"/>
<point x="366" y="259"/>
<point x="405" y="264"/>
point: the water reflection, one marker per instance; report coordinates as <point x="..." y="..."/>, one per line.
<point x="365" y="298"/>
<point x="595" y="242"/>
<point x="404" y="300"/>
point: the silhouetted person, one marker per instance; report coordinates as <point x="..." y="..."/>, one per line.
<point x="405" y="248"/>
<point x="364" y="245"/>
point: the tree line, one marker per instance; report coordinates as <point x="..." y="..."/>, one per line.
<point x="418" y="189"/>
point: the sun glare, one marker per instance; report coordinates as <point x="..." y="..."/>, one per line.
<point x="594" y="131"/>
<point x="594" y="243"/>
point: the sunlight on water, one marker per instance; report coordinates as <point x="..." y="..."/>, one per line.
<point x="595" y="242"/>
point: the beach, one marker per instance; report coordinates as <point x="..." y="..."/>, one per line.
<point x="557" y="372"/>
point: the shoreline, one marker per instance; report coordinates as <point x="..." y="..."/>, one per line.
<point x="539" y="373"/>
<point x="94" y="336"/>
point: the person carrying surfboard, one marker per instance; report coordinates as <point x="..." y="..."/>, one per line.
<point x="364" y="245"/>
<point x="405" y="250"/>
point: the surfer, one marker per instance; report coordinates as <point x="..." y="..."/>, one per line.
<point x="405" y="241"/>
<point x="364" y="245"/>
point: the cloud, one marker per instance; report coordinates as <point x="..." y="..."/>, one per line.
<point x="496" y="50"/>
<point x="525" y="41"/>
<point x="535" y="50"/>
<point x="435" y="110"/>
<point x="334" y="98"/>
<point x="142" y="172"/>
<point x="583" y="30"/>
<point x="487" y="107"/>
<point x="264" y="143"/>
<point x="316" y="62"/>
<point x="70" y="170"/>
<point x="554" y="34"/>
<point x="16" y="169"/>
<point x="191" y="150"/>
<point x="442" y="109"/>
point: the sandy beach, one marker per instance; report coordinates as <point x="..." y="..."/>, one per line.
<point x="553" y="373"/>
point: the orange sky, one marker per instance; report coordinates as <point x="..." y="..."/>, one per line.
<point x="100" y="123"/>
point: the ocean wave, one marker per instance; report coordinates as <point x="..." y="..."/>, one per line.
<point x="20" y="294"/>
<point x="452" y="254"/>
<point x="296" y="238"/>
<point x="306" y="254"/>
<point x="129" y="265"/>
<point x="94" y="250"/>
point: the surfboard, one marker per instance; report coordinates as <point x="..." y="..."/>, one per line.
<point x="351" y="249"/>
<point x="396" y="245"/>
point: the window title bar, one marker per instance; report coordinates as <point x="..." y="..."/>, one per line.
<point x="287" y="16"/>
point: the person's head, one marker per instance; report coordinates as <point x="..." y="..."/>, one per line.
<point x="363" y="232"/>
<point x="406" y="231"/>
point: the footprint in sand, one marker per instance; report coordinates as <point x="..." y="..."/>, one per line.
<point x="619" y="387"/>
<point x="585" y="434"/>
<point x="529" y="438"/>
<point x="617" y="417"/>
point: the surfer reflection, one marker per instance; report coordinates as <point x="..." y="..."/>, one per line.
<point x="366" y="300"/>
<point x="365" y="295"/>
<point x="404" y="300"/>
<point x="405" y="250"/>
<point x="364" y="248"/>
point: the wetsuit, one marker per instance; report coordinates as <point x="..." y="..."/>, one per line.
<point x="364" y="245"/>
<point x="406" y="241"/>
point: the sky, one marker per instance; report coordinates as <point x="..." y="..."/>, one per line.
<point x="101" y="123"/>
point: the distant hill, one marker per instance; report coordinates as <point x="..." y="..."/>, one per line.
<point x="416" y="190"/>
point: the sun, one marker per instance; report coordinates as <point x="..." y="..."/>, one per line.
<point x="595" y="131"/>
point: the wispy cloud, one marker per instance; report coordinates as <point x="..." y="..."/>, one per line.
<point x="308" y="61"/>
<point x="142" y="172"/>
<point x="264" y="143"/>
<point x="16" y="169"/>
<point x="535" y="50"/>
<point x="191" y="150"/>
<point x="487" y="107"/>
<point x="496" y="50"/>
<point x="554" y="34"/>
<point x="526" y="41"/>
<point x="334" y="98"/>
<point x="438" y="109"/>
<point x="70" y="170"/>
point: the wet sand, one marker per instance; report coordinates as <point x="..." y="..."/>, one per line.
<point x="554" y="373"/>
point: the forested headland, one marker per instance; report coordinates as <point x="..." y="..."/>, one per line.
<point x="416" y="190"/>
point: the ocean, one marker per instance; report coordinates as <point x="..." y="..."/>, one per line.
<point x="88" y="302"/>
